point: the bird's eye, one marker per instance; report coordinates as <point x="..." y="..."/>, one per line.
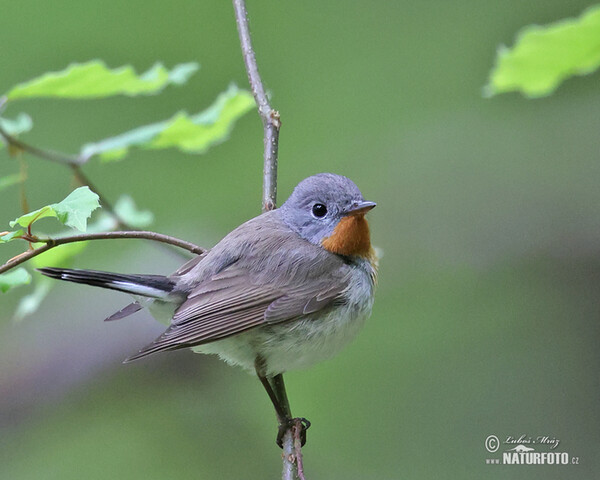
<point x="319" y="210"/>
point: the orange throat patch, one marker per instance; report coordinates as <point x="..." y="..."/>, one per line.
<point x="350" y="237"/>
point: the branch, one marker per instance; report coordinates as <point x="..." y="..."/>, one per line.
<point x="270" y="118"/>
<point x="292" y="453"/>
<point x="74" y="162"/>
<point x="293" y="467"/>
<point x="49" y="155"/>
<point x="287" y="455"/>
<point x="55" y="242"/>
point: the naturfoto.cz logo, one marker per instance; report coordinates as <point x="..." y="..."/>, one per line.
<point x="523" y="451"/>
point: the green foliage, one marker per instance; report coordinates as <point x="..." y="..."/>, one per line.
<point x="10" y="180"/>
<point x="127" y="211"/>
<point x="21" y="124"/>
<point x="193" y="134"/>
<point x="545" y="56"/>
<point x="31" y="302"/>
<point x="73" y="211"/>
<point x="190" y="133"/>
<point x="62" y="257"/>
<point x="14" y="278"/>
<point x="7" y="237"/>
<point x="95" y="80"/>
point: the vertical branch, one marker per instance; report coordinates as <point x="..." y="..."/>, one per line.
<point x="271" y="124"/>
<point x="288" y="454"/>
<point x="270" y="118"/>
<point x="290" y="468"/>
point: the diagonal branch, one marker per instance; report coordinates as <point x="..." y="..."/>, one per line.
<point x="270" y="118"/>
<point x="49" y="155"/>
<point x="55" y="242"/>
<point x="74" y="163"/>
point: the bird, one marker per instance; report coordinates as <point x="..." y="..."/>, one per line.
<point x="282" y="291"/>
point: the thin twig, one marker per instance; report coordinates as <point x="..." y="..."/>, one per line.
<point x="290" y="468"/>
<point x="288" y="454"/>
<point x="55" y="242"/>
<point x="296" y="434"/>
<point x="271" y="125"/>
<point x="49" y="155"/>
<point x="270" y="118"/>
<point x="74" y="163"/>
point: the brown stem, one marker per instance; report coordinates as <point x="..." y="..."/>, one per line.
<point x="270" y="118"/>
<point x="271" y="125"/>
<point x="55" y="242"/>
<point x="49" y="155"/>
<point x="296" y="434"/>
<point x="73" y="162"/>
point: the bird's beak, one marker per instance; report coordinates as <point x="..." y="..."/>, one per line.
<point x="360" y="208"/>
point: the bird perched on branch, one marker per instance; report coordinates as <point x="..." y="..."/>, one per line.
<point x="282" y="291"/>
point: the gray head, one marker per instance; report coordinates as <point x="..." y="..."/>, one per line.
<point x="318" y="203"/>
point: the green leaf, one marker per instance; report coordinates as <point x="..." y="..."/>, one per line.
<point x="30" y="303"/>
<point x="10" y="180"/>
<point x="73" y="211"/>
<point x="95" y="80"/>
<point x="62" y="257"/>
<point x="29" y="218"/>
<point x="14" y="278"/>
<point x="127" y="211"/>
<point x="21" y="124"/>
<point x="11" y="236"/>
<point x="545" y="56"/>
<point x="194" y="133"/>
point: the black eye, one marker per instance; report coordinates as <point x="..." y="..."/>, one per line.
<point x="319" y="210"/>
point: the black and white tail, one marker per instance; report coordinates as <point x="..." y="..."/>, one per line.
<point x="153" y="286"/>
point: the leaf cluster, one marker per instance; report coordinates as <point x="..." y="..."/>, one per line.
<point x="190" y="133"/>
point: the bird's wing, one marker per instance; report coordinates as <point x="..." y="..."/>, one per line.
<point x="124" y="312"/>
<point x="232" y="301"/>
<point x="189" y="265"/>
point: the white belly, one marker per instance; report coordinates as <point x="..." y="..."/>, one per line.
<point x="299" y="343"/>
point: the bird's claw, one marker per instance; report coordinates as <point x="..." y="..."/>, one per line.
<point x="289" y="423"/>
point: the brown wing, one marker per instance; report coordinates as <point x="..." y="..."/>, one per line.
<point x="232" y="302"/>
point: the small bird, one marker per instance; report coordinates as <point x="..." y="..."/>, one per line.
<point x="282" y="291"/>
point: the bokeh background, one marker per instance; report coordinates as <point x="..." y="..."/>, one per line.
<point x="487" y="315"/>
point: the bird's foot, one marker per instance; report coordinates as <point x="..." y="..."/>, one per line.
<point x="303" y="425"/>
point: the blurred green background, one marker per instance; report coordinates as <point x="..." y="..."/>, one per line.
<point x="487" y="315"/>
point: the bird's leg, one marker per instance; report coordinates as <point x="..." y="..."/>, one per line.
<point x="279" y="388"/>
<point x="282" y="415"/>
<point x="275" y="388"/>
<point x="282" y="410"/>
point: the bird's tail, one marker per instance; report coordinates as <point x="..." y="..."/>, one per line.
<point x="153" y="286"/>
